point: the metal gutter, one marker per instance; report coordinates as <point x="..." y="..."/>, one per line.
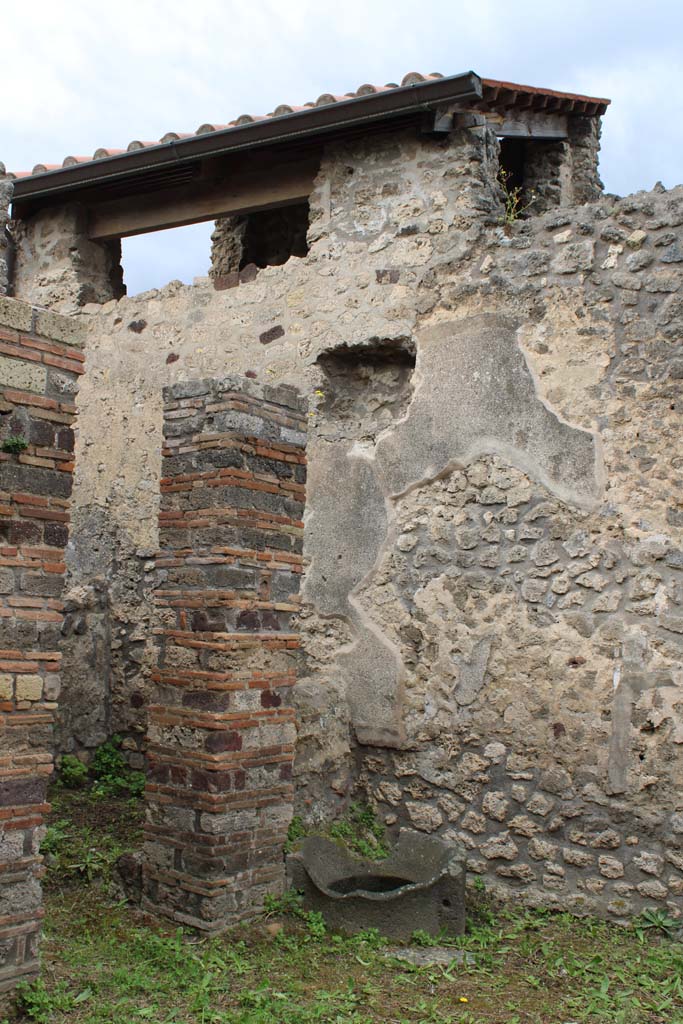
<point x="316" y="121"/>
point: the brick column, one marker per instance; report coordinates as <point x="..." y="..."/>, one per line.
<point x="40" y="363"/>
<point x="222" y="733"/>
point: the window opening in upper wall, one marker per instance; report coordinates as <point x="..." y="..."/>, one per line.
<point x="265" y="238"/>
<point x="271" y="237"/>
<point x="531" y="171"/>
<point x="153" y="259"/>
<point x="512" y="160"/>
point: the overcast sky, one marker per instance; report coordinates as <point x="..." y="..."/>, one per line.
<point x="81" y="74"/>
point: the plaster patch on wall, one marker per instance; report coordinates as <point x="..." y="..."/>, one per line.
<point x="345" y="498"/>
<point x="344" y="494"/>
<point x="474" y="395"/>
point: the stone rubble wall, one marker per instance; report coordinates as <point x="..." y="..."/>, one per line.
<point x="57" y="266"/>
<point x="492" y="600"/>
<point x="542" y="640"/>
<point x="5" y="241"/>
<point x="40" y="363"/>
<point x="221" y="728"/>
<point x="226" y="246"/>
<point x="546" y="167"/>
<point x="584" y="145"/>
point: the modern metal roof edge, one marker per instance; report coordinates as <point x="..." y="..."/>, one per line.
<point x="309" y="121"/>
<point x="368" y="104"/>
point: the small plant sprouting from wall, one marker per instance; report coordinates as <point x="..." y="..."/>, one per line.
<point x="107" y="776"/>
<point x="14" y="444"/>
<point x="73" y="773"/>
<point x="113" y="777"/>
<point x="515" y="205"/>
<point x="359" y="831"/>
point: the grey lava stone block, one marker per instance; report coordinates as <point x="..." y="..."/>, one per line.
<point x="420" y="886"/>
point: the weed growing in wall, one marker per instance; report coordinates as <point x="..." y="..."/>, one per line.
<point x="109" y="774"/>
<point x="14" y="444"/>
<point x="295" y="832"/>
<point x="113" y="776"/>
<point x="359" y="831"/>
<point x="73" y="773"/>
<point x="514" y="198"/>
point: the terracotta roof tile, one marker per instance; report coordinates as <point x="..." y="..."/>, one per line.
<point x="512" y="94"/>
<point x="72" y="161"/>
<point x="138" y="144"/>
<point x="102" y="154"/>
<point x="42" y="168"/>
<point x="174" y="136"/>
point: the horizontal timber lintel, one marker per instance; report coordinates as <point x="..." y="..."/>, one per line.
<point x="239" y="193"/>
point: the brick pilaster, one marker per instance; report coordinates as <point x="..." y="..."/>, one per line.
<point x="40" y="362"/>
<point x="222" y="732"/>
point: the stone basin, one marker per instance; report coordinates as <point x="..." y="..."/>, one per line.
<point x="420" y="886"/>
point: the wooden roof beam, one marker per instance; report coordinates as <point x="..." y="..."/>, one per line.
<point x="525" y="124"/>
<point x="238" y="193"/>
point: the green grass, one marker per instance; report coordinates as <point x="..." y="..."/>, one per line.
<point x="359" y="831"/>
<point x="86" y="835"/>
<point x="106" y="963"/>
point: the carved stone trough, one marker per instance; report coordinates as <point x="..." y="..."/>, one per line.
<point x="420" y="886"/>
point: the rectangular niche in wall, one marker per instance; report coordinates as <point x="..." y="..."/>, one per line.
<point x="366" y="387"/>
<point x="222" y="731"/>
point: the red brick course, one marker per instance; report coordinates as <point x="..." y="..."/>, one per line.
<point x="35" y="486"/>
<point x="222" y="731"/>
